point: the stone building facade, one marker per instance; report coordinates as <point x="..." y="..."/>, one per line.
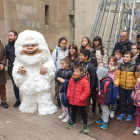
<point x="50" y="17"/>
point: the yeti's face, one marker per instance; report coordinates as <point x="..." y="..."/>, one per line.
<point x="31" y="49"/>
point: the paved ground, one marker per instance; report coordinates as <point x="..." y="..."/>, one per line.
<point x="17" y="126"/>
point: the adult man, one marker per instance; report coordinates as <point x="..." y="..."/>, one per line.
<point x="124" y="44"/>
<point x="10" y="52"/>
<point x="2" y="76"/>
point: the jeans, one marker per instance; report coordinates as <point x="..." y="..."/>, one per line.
<point x="16" y="90"/>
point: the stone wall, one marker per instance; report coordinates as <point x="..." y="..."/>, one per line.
<point x="21" y="15"/>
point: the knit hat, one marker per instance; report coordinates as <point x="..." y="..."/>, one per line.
<point x="102" y="72"/>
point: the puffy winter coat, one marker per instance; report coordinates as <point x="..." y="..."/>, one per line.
<point x="136" y="97"/>
<point x="78" y="92"/>
<point x="65" y="74"/>
<point x="57" y="55"/>
<point x="105" y="99"/>
<point x="112" y="73"/>
<point x="125" y="77"/>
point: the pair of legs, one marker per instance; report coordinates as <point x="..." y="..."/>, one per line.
<point x="38" y="101"/>
<point x="82" y="111"/>
<point x="65" y="109"/>
<point x="126" y="95"/>
<point x="138" y="116"/>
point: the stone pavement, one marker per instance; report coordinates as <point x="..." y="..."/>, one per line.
<point x="17" y="126"/>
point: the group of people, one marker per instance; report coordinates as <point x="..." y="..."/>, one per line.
<point x="88" y="77"/>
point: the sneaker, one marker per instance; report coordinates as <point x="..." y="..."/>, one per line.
<point x="86" y="130"/>
<point x="71" y="124"/>
<point x="135" y="112"/>
<point x="4" y="105"/>
<point x="112" y="114"/>
<point x="93" y="116"/>
<point x="104" y="126"/>
<point x="136" y="131"/>
<point x="129" y="118"/>
<point x="99" y="121"/>
<point x="120" y="117"/>
<point x="17" y="103"/>
<point x="63" y="115"/>
<point x="66" y="119"/>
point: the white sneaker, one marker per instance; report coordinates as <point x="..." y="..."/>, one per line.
<point x="63" y="115"/>
<point x="66" y="119"/>
<point x="112" y="114"/>
<point x="136" y="131"/>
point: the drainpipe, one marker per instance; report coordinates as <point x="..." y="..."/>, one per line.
<point x="74" y="22"/>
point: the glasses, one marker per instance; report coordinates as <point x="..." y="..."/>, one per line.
<point x="133" y="48"/>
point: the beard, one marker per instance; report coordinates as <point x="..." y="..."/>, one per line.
<point x="12" y="41"/>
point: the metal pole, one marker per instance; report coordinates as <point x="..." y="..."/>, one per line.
<point x="107" y="20"/>
<point x="103" y="11"/>
<point x="96" y="20"/>
<point x="117" y="24"/>
<point x="131" y="24"/>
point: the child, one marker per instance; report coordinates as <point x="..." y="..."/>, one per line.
<point x="118" y="55"/>
<point x="73" y="54"/>
<point x="126" y="79"/>
<point x="65" y="73"/>
<point x="59" y="53"/>
<point x="136" y="97"/>
<point x="112" y="68"/>
<point x="104" y="97"/>
<point x="101" y="54"/>
<point x="89" y="68"/>
<point x="77" y="93"/>
<point x="86" y="44"/>
<point x="136" y="54"/>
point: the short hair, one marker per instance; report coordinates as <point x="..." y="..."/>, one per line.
<point x="78" y="66"/>
<point x="126" y="32"/>
<point x="134" y="45"/>
<point x="129" y="52"/>
<point x="114" y="59"/>
<point x="13" y="31"/>
<point x="118" y="51"/>
<point x="85" y="52"/>
<point x="67" y="60"/>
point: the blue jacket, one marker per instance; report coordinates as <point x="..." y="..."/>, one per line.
<point x="105" y="99"/>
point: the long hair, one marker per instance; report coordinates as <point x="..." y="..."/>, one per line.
<point x="97" y="38"/>
<point x="60" y="40"/>
<point x="114" y="59"/>
<point x="89" y="43"/>
<point x="76" y="55"/>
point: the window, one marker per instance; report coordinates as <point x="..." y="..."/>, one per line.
<point x="47" y="22"/>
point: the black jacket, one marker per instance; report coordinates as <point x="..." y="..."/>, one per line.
<point x="93" y="58"/>
<point x="118" y="47"/>
<point x="93" y="78"/>
<point x="10" y="52"/>
<point x="65" y="74"/>
<point x="137" y="60"/>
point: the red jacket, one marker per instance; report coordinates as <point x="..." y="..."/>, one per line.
<point x="78" y="92"/>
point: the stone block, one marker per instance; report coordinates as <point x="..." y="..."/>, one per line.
<point x="38" y="24"/>
<point x="27" y="9"/>
<point x="25" y="23"/>
<point x="18" y="7"/>
<point x="35" y="11"/>
<point x="12" y="5"/>
<point x="21" y="15"/>
<point x="33" y="24"/>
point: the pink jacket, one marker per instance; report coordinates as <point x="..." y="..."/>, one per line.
<point x="136" y="97"/>
<point x="112" y="74"/>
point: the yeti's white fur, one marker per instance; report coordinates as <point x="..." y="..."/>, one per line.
<point x="34" y="87"/>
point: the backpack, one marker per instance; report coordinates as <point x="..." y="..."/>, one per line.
<point x="64" y="100"/>
<point x="86" y="71"/>
<point x="115" y="92"/>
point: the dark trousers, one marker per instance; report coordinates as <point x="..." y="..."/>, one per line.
<point x="3" y="93"/>
<point x="126" y="95"/>
<point x="16" y="90"/>
<point x="82" y="111"/>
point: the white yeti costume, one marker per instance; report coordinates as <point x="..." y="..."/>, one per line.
<point x="34" y="87"/>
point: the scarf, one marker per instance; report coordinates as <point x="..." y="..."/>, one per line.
<point x="123" y="45"/>
<point x="129" y="63"/>
<point x="77" y="78"/>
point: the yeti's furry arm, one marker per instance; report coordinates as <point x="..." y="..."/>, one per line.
<point x="49" y="76"/>
<point x="18" y="78"/>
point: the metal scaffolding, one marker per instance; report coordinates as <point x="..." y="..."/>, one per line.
<point x="114" y="16"/>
